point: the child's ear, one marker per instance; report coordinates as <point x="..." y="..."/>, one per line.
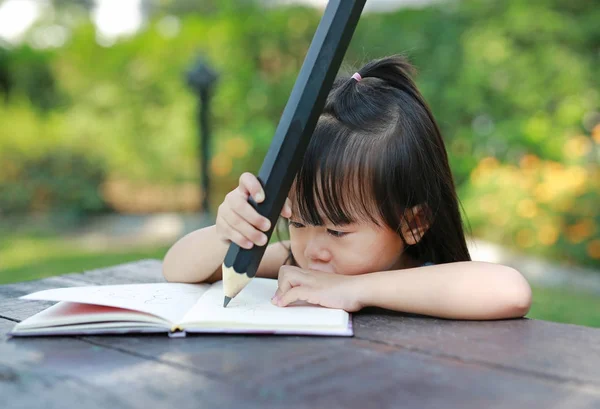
<point x="415" y="225"/>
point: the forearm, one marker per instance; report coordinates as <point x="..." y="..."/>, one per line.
<point x="196" y="257"/>
<point x="465" y="290"/>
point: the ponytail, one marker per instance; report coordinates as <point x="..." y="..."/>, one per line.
<point x="396" y="71"/>
<point x="349" y="96"/>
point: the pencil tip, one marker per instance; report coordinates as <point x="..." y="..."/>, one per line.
<point x="226" y="301"/>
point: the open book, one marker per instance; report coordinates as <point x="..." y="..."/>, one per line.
<point x="176" y="309"/>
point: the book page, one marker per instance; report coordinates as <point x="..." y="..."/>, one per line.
<point x="169" y="301"/>
<point x="70" y="313"/>
<point x="252" y="309"/>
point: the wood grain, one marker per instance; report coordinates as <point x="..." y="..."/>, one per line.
<point x="543" y="348"/>
<point x="395" y="360"/>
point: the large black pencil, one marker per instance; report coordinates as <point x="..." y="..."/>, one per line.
<point x="294" y="131"/>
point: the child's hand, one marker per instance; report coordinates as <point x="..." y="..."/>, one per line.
<point x="238" y="222"/>
<point x="325" y="289"/>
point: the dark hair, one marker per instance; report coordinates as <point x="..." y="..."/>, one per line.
<point x="377" y="152"/>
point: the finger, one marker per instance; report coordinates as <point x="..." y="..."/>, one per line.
<point x="243" y="209"/>
<point x="233" y="235"/>
<point x="288" y="278"/>
<point x="251" y="186"/>
<point x="286" y="212"/>
<point x="293" y="295"/>
<point x="240" y="225"/>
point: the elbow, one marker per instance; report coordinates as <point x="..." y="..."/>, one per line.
<point x="517" y="296"/>
<point x="519" y="304"/>
<point x="167" y="267"/>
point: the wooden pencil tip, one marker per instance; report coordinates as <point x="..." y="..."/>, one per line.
<point x="226" y="301"/>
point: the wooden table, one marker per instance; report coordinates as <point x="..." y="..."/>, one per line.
<point x="393" y="361"/>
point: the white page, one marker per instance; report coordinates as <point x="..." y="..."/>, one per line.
<point x="169" y="301"/>
<point x="252" y="308"/>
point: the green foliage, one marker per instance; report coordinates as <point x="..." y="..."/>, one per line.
<point x="56" y="181"/>
<point x="28" y="72"/>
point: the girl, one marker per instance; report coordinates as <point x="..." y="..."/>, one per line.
<point x="373" y="215"/>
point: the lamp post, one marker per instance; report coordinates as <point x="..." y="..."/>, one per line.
<point x="201" y="78"/>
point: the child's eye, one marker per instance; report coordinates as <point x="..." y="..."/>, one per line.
<point x="296" y="224"/>
<point x="336" y="233"/>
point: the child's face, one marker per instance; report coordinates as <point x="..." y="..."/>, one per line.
<point x="349" y="250"/>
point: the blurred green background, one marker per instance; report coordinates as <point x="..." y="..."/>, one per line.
<point x="95" y="124"/>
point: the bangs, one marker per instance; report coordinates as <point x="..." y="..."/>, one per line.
<point x="340" y="178"/>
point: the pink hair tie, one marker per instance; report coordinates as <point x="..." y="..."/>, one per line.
<point x="357" y="77"/>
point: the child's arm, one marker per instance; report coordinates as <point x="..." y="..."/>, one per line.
<point x="463" y="290"/>
<point x="198" y="256"/>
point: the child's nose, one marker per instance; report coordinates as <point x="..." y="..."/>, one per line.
<point x="317" y="251"/>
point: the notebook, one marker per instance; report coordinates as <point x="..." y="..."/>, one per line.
<point x="176" y="309"/>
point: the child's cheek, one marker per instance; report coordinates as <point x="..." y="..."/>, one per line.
<point x="366" y="259"/>
<point x="354" y="265"/>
